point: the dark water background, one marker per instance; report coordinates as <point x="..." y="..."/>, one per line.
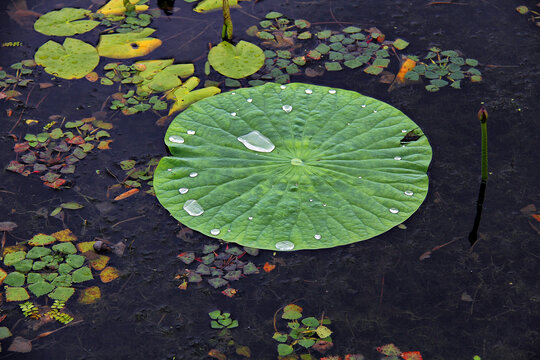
<point x="376" y="291"/>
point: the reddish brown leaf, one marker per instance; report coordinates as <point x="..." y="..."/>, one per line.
<point x="21" y="345"/>
<point x="411" y="355"/>
<point x="56" y="184"/>
<point x="20" y="147"/>
<point x="322" y="346"/>
<point x="268" y="267"/>
<point x="126" y="194"/>
<point x="229" y="292"/>
<point x="217" y="354"/>
<point x="76" y="140"/>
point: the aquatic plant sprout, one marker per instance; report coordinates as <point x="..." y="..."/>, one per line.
<point x="291" y="167"/>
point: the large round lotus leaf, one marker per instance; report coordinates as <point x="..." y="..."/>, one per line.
<point x="237" y="61"/>
<point x="127" y="45"/>
<point x="292" y="167"/>
<point x="72" y="60"/>
<point x="65" y="22"/>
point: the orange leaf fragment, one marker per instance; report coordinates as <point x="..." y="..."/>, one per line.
<point x="76" y="140"/>
<point x="183" y="285"/>
<point x="536" y="217"/>
<point x="407" y="66"/>
<point x="56" y="184"/>
<point x="64" y="235"/>
<point x="126" y="194"/>
<point x="45" y="85"/>
<point x="109" y="274"/>
<point x="90" y="295"/>
<point x="3" y="275"/>
<point x="268" y="267"/>
<point x="92" y="77"/>
<point x="411" y="355"/>
<point x="217" y="354"/>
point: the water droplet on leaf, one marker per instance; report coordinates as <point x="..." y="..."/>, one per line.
<point x="287" y="108"/>
<point x="284" y="246"/>
<point x="309" y="91"/>
<point x="256" y="141"/>
<point x="393" y="210"/>
<point x="408" y="193"/>
<point x="191" y="132"/>
<point x="397" y="157"/>
<point x="215" y="232"/>
<point x="193" y="174"/>
<point x="183" y="190"/>
<point x="331" y="91"/>
<point x="193" y="208"/>
<point x="176" y="139"/>
<point x="317" y="236"/>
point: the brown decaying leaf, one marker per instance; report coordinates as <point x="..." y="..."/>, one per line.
<point x="45" y="85"/>
<point x="217" y="354"/>
<point x="20" y="345"/>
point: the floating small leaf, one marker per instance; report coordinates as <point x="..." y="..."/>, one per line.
<point x="65" y="22"/>
<point x="72" y="60"/>
<point x="237" y="61"/>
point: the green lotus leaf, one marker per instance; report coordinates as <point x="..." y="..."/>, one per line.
<point x="41" y="288"/>
<point x="72" y="60"/>
<point x="62" y="293"/>
<point x="16" y="294"/>
<point x="65" y="22"/>
<point x="237" y="61"/>
<point x="292" y="167"/>
<point x="127" y="45"/>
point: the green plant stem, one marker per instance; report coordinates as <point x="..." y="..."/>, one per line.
<point x="484" y="151"/>
<point x="227" y="31"/>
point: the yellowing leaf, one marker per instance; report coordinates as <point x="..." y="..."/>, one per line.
<point x="64" y="235"/>
<point x="116" y="7"/>
<point x="323" y="331"/>
<point x="209" y="5"/>
<point x="127" y="45"/>
<point x="192" y="97"/>
<point x="90" y="295"/>
<point x="3" y="275"/>
<point x="99" y="262"/>
<point x="108" y="274"/>
<point x="85" y="246"/>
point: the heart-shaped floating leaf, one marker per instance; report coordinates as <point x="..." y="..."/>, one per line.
<point x="128" y="45"/>
<point x="72" y="60"/>
<point x="65" y="22"/>
<point x="292" y="167"/>
<point x="237" y="61"/>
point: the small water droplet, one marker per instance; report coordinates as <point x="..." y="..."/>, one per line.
<point x="310" y="200"/>
<point x="359" y="177"/>
<point x="323" y="204"/>
<point x="229" y="230"/>
<point x="397" y="157"/>
<point x="374" y="111"/>
<point x="176" y="139"/>
<point x="283" y="87"/>
<point x="309" y="91"/>
<point x="215" y="232"/>
<point x="191" y="132"/>
<point x="287" y="108"/>
<point x="348" y="123"/>
<point x="257" y="142"/>
<point x="403" y="131"/>
<point x="317" y="236"/>
<point x="169" y="169"/>
<point x="249" y="100"/>
<point x="408" y="193"/>
<point x="284" y="246"/>
<point x="393" y="210"/>
<point x="331" y="91"/>
<point x="250" y="218"/>
<point x="233" y="93"/>
<point x="364" y="105"/>
<point x="233" y="114"/>
<point x="183" y="190"/>
<point x="193" y="208"/>
<point x="193" y="174"/>
<point x="296" y="161"/>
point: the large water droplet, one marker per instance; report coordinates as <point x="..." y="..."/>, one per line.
<point x="193" y="208"/>
<point x="176" y="139"/>
<point x="317" y="237"/>
<point x="296" y="161"/>
<point x="215" y="232"/>
<point x="284" y="246"/>
<point x="331" y="91"/>
<point x="183" y="190"/>
<point x="257" y="142"/>
<point x="191" y="132"/>
<point x="393" y="210"/>
<point x="287" y="108"/>
<point x="193" y="174"/>
<point x="408" y="193"/>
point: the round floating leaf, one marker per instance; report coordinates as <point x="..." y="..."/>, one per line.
<point x="90" y="295"/>
<point x="62" y="293"/>
<point x="23" y="265"/>
<point x="16" y="294"/>
<point x="14" y="257"/>
<point x="37" y="252"/>
<point x="72" y="60"/>
<point x="41" y="288"/>
<point x="237" y="61"/>
<point x="109" y="274"/>
<point x="285" y="349"/>
<point x="292" y="167"/>
<point x="127" y="45"/>
<point x="75" y="261"/>
<point x="65" y="248"/>
<point x="65" y="22"/>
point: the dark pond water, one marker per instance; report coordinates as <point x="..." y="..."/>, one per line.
<point x="458" y="303"/>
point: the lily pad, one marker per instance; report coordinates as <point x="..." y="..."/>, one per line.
<point x="41" y="288"/>
<point x="15" y="278"/>
<point x="14" y="257"/>
<point x="237" y="61"/>
<point x="37" y="252"/>
<point x="90" y="295"/>
<point x="65" y="248"/>
<point x="72" y="60"/>
<point x="16" y="294"/>
<point x="65" y="22"/>
<point x="62" y="293"/>
<point x="127" y="45"/>
<point x="292" y="167"/>
<point x="82" y="274"/>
